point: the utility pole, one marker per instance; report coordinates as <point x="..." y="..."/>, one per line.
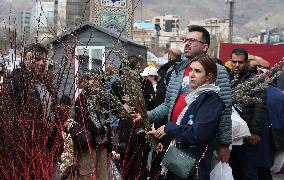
<point x="267" y="31"/>
<point x="158" y="29"/>
<point x="231" y="20"/>
<point x="141" y="15"/>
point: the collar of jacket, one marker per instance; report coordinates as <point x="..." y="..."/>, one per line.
<point x="245" y="73"/>
<point x="181" y="65"/>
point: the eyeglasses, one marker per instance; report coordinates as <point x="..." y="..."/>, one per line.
<point x="192" y="40"/>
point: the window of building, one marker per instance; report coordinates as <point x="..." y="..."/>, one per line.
<point x="87" y="58"/>
<point x="90" y="57"/>
<point x="169" y="25"/>
<point x="50" y="17"/>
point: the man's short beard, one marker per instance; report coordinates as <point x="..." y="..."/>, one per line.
<point x="188" y="56"/>
<point x="191" y="56"/>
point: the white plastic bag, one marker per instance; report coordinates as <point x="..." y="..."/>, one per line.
<point x="278" y="162"/>
<point x="240" y="128"/>
<point x="222" y="171"/>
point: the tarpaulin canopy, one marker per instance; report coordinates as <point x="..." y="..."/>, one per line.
<point x="271" y="53"/>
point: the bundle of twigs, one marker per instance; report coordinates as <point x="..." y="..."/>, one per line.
<point x="245" y="92"/>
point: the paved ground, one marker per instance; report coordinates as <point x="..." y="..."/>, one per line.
<point x="278" y="177"/>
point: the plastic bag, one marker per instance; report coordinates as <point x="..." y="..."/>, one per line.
<point x="278" y="163"/>
<point x="222" y="171"/>
<point x="240" y="128"/>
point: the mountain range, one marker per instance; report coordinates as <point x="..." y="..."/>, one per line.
<point x="249" y="15"/>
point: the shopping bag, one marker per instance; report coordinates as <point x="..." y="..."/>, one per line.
<point x="240" y="128"/>
<point x="278" y="165"/>
<point x="222" y="171"/>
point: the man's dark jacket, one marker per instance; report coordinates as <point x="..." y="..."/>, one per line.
<point x="253" y="113"/>
<point x="164" y="73"/>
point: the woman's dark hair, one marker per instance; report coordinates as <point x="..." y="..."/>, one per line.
<point x="134" y="60"/>
<point x="240" y="51"/>
<point x="66" y="100"/>
<point x="217" y="61"/>
<point x="36" y="47"/>
<point x="208" y="64"/>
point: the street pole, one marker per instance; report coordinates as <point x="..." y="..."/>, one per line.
<point x="231" y="20"/>
<point x="158" y="29"/>
<point x="267" y="31"/>
<point x="141" y="11"/>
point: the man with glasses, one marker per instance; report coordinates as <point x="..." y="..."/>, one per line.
<point x="197" y="42"/>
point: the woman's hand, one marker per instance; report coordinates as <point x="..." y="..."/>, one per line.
<point x="160" y="148"/>
<point x="136" y="117"/>
<point x="159" y="133"/>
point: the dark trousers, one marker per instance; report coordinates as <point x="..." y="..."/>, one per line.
<point x="156" y="168"/>
<point x="243" y="162"/>
<point x="264" y="174"/>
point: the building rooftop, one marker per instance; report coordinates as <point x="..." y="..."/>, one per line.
<point x="144" y="25"/>
<point x="86" y="25"/>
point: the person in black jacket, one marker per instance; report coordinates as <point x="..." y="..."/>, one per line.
<point x="243" y="159"/>
<point x="133" y="148"/>
<point x="30" y="105"/>
<point x="164" y="73"/>
<point x="89" y="133"/>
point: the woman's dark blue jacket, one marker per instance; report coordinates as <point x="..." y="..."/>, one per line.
<point x="205" y="112"/>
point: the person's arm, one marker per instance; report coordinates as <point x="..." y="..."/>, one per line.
<point x="173" y="88"/>
<point x="159" y="112"/>
<point x="78" y="118"/>
<point x="204" y="128"/>
<point x="224" y="133"/>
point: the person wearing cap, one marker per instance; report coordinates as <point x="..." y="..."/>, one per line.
<point x="151" y="73"/>
<point x="89" y="132"/>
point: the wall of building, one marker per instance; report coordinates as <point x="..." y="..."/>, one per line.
<point x="217" y="28"/>
<point x="25" y="20"/>
<point x="89" y="37"/>
<point x="169" y="25"/>
<point x="42" y="18"/>
<point x="70" y="14"/>
<point x="116" y="16"/>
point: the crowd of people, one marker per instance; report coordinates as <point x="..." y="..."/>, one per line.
<point x="190" y="105"/>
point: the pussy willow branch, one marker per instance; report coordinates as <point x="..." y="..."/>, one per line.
<point x="245" y="92"/>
